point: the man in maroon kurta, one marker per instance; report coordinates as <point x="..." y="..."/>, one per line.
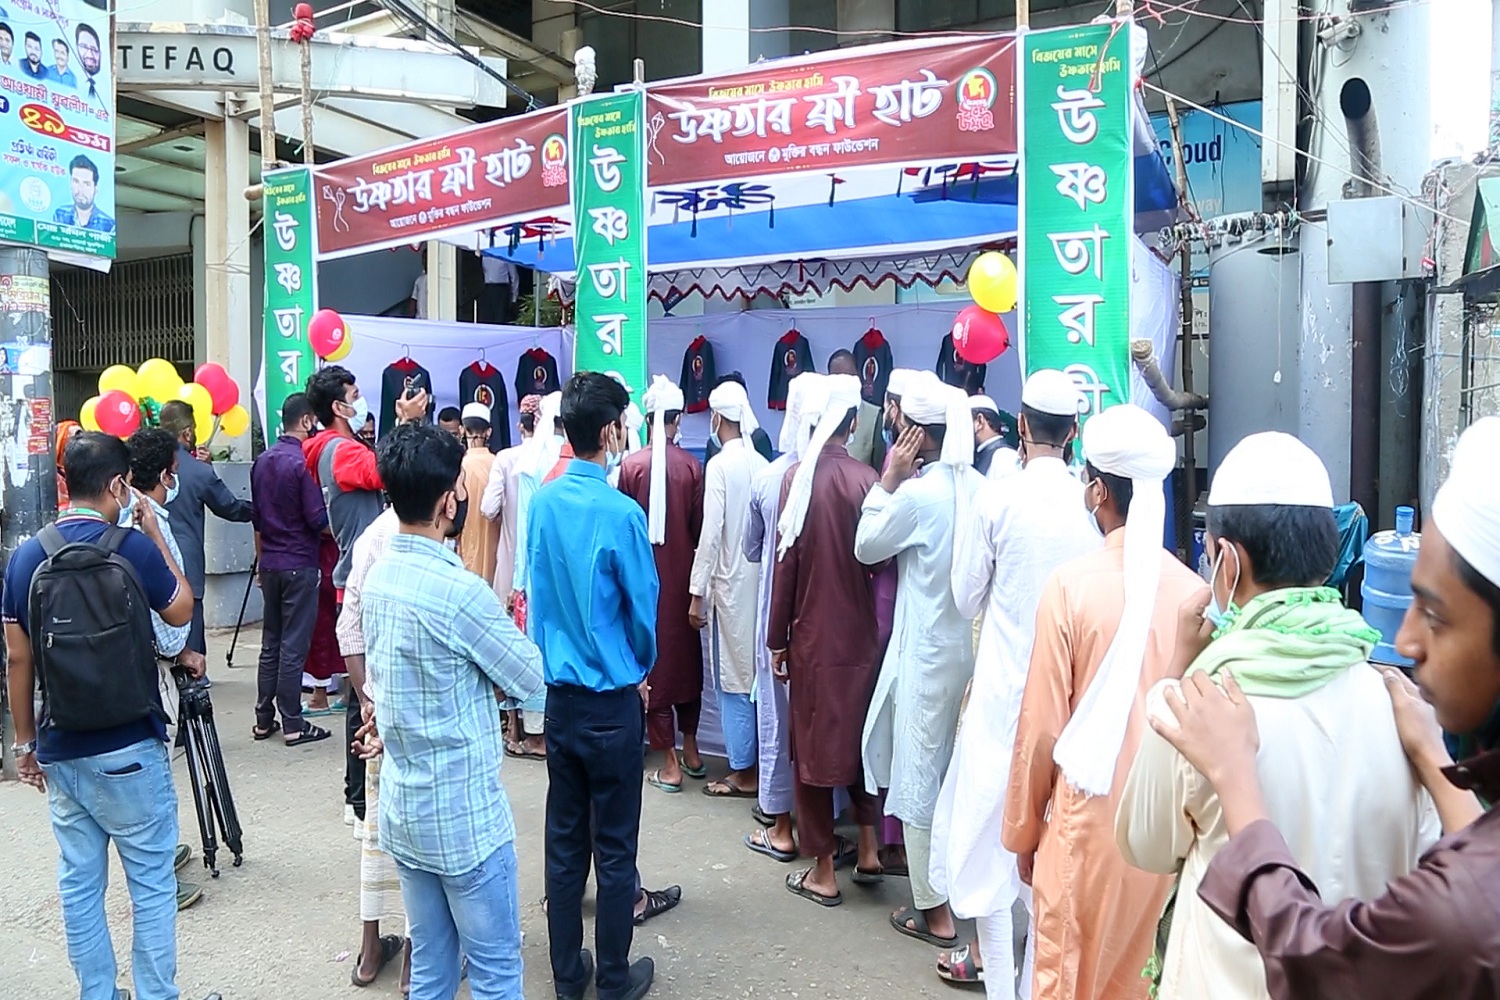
<point x="677" y="679"/>
<point x="824" y="643"/>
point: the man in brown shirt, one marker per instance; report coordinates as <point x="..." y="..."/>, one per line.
<point x="1436" y="932"/>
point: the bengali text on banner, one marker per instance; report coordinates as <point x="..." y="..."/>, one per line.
<point x="291" y="287"/>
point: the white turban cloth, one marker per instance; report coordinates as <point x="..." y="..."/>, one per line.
<point x="1123" y="441"/>
<point x="661" y="398"/>
<point x="731" y="402"/>
<point x="900" y="379"/>
<point x="843" y="396"/>
<point x="1467" y="508"/>
<point x="548" y="444"/>
<point x="804" y="401"/>
<point x="634" y="421"/>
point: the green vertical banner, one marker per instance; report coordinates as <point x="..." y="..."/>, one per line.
<point x="609" y="226"/>
<point x="1077" y="202"/>
<point x="291" y="294"/>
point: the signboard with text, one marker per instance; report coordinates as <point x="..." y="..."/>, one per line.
<point x="609" y="199"/>
<point x="513" y="168"/>
<point x="291" y="287"/>
<point x="908" y="104"/>
<point x="1077" y="202"/>
<point x="57" y="128"/>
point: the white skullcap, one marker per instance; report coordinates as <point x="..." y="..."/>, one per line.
<point x="1467" y="508"/>
<point x="1271" y="468"/>
<point x="1124" y="441"/>
<point x="797" y="410"/>
<point x="929" y="400"/>
<point x="475" y="411"/>
<point x="982" y="403"/>
<point x="731" y="402"/>
<point x="843" y="396"/>
<point x="661" y="398"/>
<point x="1048" y="390"/>
<point x="899" y="379"/>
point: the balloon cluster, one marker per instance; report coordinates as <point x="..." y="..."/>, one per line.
<point x="130" y="397"/>
<point x="329" y="335"/>
<point x="979" y="334"/>
<point x="302" y="29"/>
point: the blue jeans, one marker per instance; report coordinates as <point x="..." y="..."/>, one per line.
<point x="125" y="796"/>
<point x="736" y="716"/>
<point x="477" y="914"/>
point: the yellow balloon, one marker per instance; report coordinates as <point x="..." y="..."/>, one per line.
<point x="86" y="414"/>
<point x="992" y="282"/>
<point x="341" y="352"/>
<point x="235" y="421"/>
<point x="202" y="403"/>
<point x="121" y="377"/>
<point x="158" y="379"/>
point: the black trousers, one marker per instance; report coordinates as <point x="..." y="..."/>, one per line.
<point x="354" y="765"/>
<point x="197" y="639"/>
<point x="291" y="612"/>
<point x="495" y="305"/>
<point x="595" y="751"/>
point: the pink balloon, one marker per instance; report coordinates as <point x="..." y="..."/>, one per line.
<point x="979" y="336"/>
<point x="326" y="332"/>
<point x="116" y="413"/>
<point x="222" y="389"/>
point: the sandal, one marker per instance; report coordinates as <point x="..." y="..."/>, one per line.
<point x="517" y="749"/>
<point x="734" y="791"/>
<point x="310" y="734"/>
<point x="960" y="968"/>
<point x="919" y="929"/>
<point x="391" y="945"/>
<point x="796" y="884"/>
<point x="759" y="841"/>
<point x="654" y="779"/>
<point x="659" y="901"/>
<point x="761" y="816"/>
<point x="845" y="853"/>
<point x="862" y="877"/>
<point x="309" y="712"/>
<point x="698" y="773"/>
<point x="258" y="734"/>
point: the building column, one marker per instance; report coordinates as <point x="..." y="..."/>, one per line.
<point x="442" y="281"/>
<point x="227" y="335"/>
<point x="726" y="36"/>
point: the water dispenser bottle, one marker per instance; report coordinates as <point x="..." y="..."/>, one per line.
<point x="1389" y="556"/>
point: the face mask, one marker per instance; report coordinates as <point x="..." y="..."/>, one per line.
<point x="613" y="457"/>
<point x="173" y="489"/>
<point x="713" y="435"/>
<point x="127" y="507"/>
<point x="1214" y="614"/>
<point x="459" y="517"/>
<point x="361" y="414"/>
<point x="1093" y="511"/>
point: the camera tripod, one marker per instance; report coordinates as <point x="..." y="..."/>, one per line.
<point x="198" y="735"/>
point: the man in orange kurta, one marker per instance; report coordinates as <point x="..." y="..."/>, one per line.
<point x="1095" y="915"/>
<point x="477" y="541"/>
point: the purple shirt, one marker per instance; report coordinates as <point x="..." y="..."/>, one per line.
<point x="289" y="511"/>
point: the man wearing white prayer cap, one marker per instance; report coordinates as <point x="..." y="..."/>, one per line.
<point x="821" y="633"/>
<point x="723" y="583"/>
<point x="910" y="516"/>
<point x="1300" y="657"/>
<point x="1432" y="932"/>
<point x="1023" y="528"/>
<point x="668" y="484"/>
<point x="804" y="402"/>
<point x="994" y="457"/>
<point x="1105" y="629"/>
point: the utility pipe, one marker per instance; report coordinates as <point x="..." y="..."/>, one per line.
<point x="1358" y="107"/>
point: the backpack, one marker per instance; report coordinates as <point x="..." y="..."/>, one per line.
<point x="91" y="634"/>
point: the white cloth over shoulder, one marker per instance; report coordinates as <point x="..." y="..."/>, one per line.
<point x="843" y="396"/>
<point x="731" y="402"/>
<point x="663" y="396"/>
<point x="1467" y="509"/>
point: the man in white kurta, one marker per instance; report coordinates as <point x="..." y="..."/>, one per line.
<point x="1023" y="527"/>
<point x="724" y="583"/>
<point x="909" y="516"/>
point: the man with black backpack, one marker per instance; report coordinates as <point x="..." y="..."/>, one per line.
<point x="76" y="609"/>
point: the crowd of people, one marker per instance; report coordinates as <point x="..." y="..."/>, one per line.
<point x="971" y="648"/>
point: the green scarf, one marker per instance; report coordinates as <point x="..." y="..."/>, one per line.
<point x="1283" y="644"/>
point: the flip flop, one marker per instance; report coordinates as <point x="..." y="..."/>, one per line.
<point x="308" y="712"/>
<point x="654" y="779"/>
<point x="961" y="968"/>
<point x="919" y="929"/>
<point x="761" y="816"/>
<point x="735" y="792"/>
<point x="845" y="853"/>
<point x="523" y="753"/>
<point x="390" y="947"/>
<point x="258" y="734"/>
<point x="796" y="885"/>
<point x="699" y="773"/>
<point x="759" y="841"/>
<point x="862" y="877"/>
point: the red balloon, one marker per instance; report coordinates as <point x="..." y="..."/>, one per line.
<point x="222" y="389"/>
<point x="116" y="413"/>
<point x="302" y="10"/>
<point x="979" y="336"/>
<point x="326" y="332"/>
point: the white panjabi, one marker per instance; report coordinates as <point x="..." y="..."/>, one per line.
<point x="1123" y="441"/>
<point x="662" y="397"/>
<point x="1271" y="468"/>
<point x="1048" y="390"/>
<point x="843" y="396"/>
<point x="731" y="402"/>
<point x="1467" y="508"/>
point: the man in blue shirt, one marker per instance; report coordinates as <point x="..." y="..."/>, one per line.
<point x="438" y="648"/>
<point x="593" y="612"/>
<point x="83" y="181"/>
<point x="107" y="784"/>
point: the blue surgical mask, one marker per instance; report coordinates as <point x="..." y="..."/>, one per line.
<point x="713" y="435"/>
<point x="127" y="508"/>
<point x="612" y="460"/>
<point x="1214" y="614"/>
<point x="889" y="437"/>
<point x="361" y="414"/>
<point x="173" y="489"/>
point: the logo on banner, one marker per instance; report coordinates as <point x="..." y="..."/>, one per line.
<point x="554" y="161"/>
<point x="977" y="92"/>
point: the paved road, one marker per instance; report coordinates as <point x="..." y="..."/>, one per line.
<point x="286" y="923"/>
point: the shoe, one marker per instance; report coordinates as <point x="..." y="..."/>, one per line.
<point x="188" y="893"/>
<point x="182" y="857"/>
<point x="586" y="957"/>
<point x="642" y="972"/>
<point x="359" y="830"/>
<point x="349" y="816"/>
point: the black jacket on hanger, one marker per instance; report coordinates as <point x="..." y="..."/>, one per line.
<point x="481" y="382"/>
<point x="536" y="374"/>
<point x="698" y="375"/>
<point x="398" y="377"/>
<point x="791" y="357"/>
<point x="956" y="371"/>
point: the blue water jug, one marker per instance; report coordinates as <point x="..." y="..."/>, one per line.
<point x="1389" y="556"/>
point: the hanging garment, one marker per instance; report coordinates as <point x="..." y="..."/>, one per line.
<point x="872" y="354"/>
<point x="698" y="375"/>
<point x="536" y="374"/>
<point x="956" y="371"/>
<point x="398" y="377"/>
<point x="791" y="357"/>
<point x="482" y="382"/>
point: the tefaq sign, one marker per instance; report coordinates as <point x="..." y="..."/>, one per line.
<point x="172" y="54"/>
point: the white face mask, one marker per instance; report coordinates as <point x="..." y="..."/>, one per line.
<point x="173" y="489"/>
<point x="613" y="456"/>
<point x="127" y="508"/>
<point x="361" y="414"/>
